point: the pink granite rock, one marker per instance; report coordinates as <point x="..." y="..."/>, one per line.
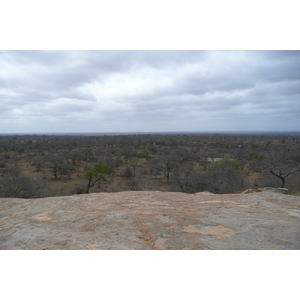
<point x="152" y="220"/>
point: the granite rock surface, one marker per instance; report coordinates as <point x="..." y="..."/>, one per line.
<point x="152" y="220"/>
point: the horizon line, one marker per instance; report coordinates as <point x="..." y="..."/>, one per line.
<point x="155" y="132"/>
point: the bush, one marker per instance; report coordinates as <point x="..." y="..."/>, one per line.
<point x="225" y="176"/>
<point x="6" y="156"/>
<point x="127" y="172"/>
<point x="143" y="155"/>
<point x="16" y="186"/>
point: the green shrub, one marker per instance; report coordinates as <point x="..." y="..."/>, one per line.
<point x="143" y="155"/>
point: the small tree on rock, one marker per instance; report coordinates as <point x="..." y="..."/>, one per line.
<point x="95" y="174"/>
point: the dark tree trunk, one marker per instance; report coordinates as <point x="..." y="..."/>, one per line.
<point x="87" y="189"/>
<point x="281" y="178"/>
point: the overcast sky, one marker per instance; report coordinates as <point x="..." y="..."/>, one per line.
<point x="149" y="91"/>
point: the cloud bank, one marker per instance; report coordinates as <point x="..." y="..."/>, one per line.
<point x="149" y="91"/>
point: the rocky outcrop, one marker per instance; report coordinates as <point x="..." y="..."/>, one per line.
<point x="248" y="191"/>
<point x="274" y="190"/>
<point x="152" y="220"/>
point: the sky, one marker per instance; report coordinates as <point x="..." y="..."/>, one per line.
<point x="149" y="91"/>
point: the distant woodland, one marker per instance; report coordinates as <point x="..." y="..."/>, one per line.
<point x="34" y="166"/>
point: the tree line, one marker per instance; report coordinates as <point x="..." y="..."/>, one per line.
<point x="51" y="165"/>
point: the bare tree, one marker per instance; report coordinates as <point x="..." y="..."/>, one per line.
<point x="75" y="155"/>
<point x="165" y="164"/>
<point x="183" y="178"/>
<point x="58" y="165"/>
<point x="279" y="161"/>
<point x="87" y="153"/>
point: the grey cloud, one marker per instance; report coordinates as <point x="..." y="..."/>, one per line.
<point x="57" y="109"/>
<point x="28" y="57"/>
<point x="291" y="55"/>
<point x="65" y="109"/>
<point x="168" y="58"/>
<point x="276" y="73"/>
<point x="217" y="82"/>
<point x="134" y="58"/>
<point x="183" y="108"/>
<point x="276" y="66"/>
<point x="286" y="88"/>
